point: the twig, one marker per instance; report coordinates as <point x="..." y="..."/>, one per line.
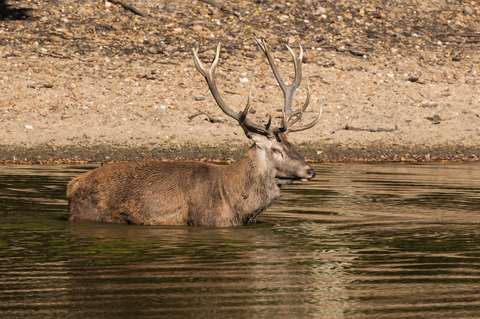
<point x="221" y="7"/>
<point x="435" y="119"/>
<point x="210" y="118"/>
<point x="467" y="35"/>
<point x="411" y="98"/>
<point x="129" y="7"/>
<point x="367" y="129"/>
<point x="167" y="62"/>
<point x="54" y="55"/>
<point x="370" y="129"/>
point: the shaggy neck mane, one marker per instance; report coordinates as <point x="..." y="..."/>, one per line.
<point x="250" y="184"/>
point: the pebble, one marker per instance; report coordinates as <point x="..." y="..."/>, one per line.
<point x="339" y="23"/>
<point x="320" y="10"/>
<point x="152" y="50"/>
<point x="117" y="26"/>
<point x="467" y="10"/>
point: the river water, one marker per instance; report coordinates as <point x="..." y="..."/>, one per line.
<point x="358" y="241"/>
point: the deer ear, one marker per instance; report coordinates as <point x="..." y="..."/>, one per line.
<point x="257" y="138"/>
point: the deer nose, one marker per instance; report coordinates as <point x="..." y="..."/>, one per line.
<point x="311" y="172"/>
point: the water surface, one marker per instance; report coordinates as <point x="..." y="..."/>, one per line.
<point x="358" y="241"/>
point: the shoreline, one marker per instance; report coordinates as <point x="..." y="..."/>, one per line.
<point x="107" y="153"/>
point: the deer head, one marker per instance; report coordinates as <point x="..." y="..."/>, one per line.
<point x="271" y="142"/>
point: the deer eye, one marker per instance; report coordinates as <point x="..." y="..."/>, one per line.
<point x="276" y="151"/>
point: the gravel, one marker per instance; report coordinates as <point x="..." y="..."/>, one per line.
<point x="93" y="81"/>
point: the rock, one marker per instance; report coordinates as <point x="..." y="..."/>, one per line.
<point x="55" y="38"/>
<point x="467" y="10"/>
<point x="320" y="10"/>
<point x="27" y="24"/>
<point x="435" y="119"/>
<point x="213" y="10"/>
<point x="169" y="48"/>
<point x="204" y="11"/>
<point x="117" y="26"/>
<point x="200" y="22"/>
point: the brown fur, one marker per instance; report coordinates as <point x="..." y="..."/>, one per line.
<point x="187" y="193"/>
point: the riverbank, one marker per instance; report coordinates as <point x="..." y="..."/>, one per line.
<point x="83" y="82"/>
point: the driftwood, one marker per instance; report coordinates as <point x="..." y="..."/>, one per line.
<point x="475" y="36"/>
<point x="465" y="35"/>
<point x="130" y="8"/>
<point x="366" y="129"/>
<point x="210" y="118"/>
<point x="353" y="51"/>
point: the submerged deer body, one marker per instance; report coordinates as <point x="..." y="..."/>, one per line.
<point x="192" y="193"/>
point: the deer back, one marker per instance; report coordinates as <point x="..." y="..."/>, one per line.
<point x="172" y="193"/>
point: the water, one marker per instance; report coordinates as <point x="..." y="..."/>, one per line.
<point x="359" y="241"/>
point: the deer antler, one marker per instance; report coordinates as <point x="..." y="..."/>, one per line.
<point x="288" y="117"/>
<point x="246" y="124"/>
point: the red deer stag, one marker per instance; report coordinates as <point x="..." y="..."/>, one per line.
<point x="153" y="192"/>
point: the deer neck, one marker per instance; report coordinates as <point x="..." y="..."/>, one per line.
<point x="251" y="185"/>
<point x="257" y="170"/>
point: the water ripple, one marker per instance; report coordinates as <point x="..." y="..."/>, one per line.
<point x="359" y="241"/>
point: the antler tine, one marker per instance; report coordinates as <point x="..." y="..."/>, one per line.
<point x="297" y="63"/>
<point x="299" y="113"/>
<point x="247" y="107"/>
<point x="263" y="46"/>
<point x="200" y="66"/>
<point x="244" y="114"/>
<point x="290" y="117"/>
<point x="246" y="124"/>
<point x="306" y="127"/>
<point x="288" y="90"/>
<point x="269" y="122"/>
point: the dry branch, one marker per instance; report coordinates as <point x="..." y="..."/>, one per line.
<point x="210" y="118"/>
<point x="366" y="129"/>
<point x="132" y="9"/>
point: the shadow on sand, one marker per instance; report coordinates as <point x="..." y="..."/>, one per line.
<point x="10" y="12"/>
